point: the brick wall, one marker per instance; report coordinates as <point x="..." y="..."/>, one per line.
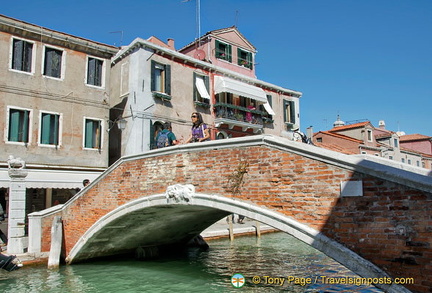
<point x="390" y="225"/>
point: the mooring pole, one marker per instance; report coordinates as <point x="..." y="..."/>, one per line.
<point x="56" y="243"/>
<point x="230" y="228"/>
<point x="258" y="229"/>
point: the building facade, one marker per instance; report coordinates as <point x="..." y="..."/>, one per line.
<point x="363" y="138"/>
<point x="54" y="100"/>
<point x="152" y="83"/>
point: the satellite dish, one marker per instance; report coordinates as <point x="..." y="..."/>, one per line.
<point x="199" y="54"/>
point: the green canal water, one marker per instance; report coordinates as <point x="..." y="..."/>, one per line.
<point x="266" y="261"/>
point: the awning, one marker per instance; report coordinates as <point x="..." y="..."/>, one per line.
<point x="51" y="178"/>
<point x="201" y="87"/>
<point x="269" y="108"/>
<point x="225" y="84"/>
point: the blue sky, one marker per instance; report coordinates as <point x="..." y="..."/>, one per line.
<point x="360" y="59"/>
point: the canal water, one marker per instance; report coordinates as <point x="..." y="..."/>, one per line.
<point x="276" y="262"/>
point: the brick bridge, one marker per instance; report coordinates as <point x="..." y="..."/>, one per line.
<point x="369" y="214"/>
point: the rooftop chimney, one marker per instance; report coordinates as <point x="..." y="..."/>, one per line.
<point x="381" y="124"/>
<point x="171" y="44"/>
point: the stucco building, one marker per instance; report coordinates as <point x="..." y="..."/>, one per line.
<point x="152" y="82"/>
<point x="54" y="103"/>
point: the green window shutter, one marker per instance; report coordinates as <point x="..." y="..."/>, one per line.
<point x="50" y="129"/>
<point x="207" y="83"/>
<point x="152" y="135"/>
<point x="269" y="99"/>
<point x="56" y="130"/>
<point x="45" y="128"/>
<point x="88" y="140"/>
<point x="239" y="59"/>
<point x="249" y="60"/>
<point x="195" y="90"/>
<point x="25" y="126"/>
<point x="217" y="51"/>
<point x="229" y="53"/>
<point x="153" y="75"/>
<point x="14" y="118"/>
<point x="168" y="79"/>
<point x="98" y="134"/>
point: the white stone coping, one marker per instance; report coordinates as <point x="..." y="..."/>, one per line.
<point x="417" y="178"/>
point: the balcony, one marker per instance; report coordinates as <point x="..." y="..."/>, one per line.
<point x="233" y="115"/>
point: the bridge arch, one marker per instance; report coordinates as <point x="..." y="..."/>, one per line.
<point x="194" y="214"/>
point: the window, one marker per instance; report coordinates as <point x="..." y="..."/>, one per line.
<point x="223" y="51"/>
<point x="19" y="124"/>
<point x="403" y="160"/>
<point x="225" y="98"/>
<point x="201" y="89"/>
<point x="49" y="129"/>
<point x="52" y="62"/>
<point x="244" y="102"/>
<point x="396" y="142"/>
<point x="22" y="52"/>
<point x="92" y="134"/>
<point x="289" y="112"/>
<point x="244" y="58"/>
<point x="94" y="71"/>
<point x="369" y="135"/>
<point x="160" y="78"/>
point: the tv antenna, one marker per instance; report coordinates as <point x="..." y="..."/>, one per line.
<point x="198" y="18"/>
<point x="121" y="36"/>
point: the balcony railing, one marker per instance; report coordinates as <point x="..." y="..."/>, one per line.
<point x="240" y="116"/>
<point x="238" y="113"/>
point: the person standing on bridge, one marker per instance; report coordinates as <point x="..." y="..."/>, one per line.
<point x="199" y="131"/>
<point x="166" y="137"/>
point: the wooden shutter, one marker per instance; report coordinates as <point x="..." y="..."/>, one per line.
<point x="25" y="126"/>
<point x="14" y="118"/>
<point x="45" y="128"/>
<point x="153" y="75"/>
<point x="168" y="79"/>
<point x="88" y="135"/>
<point x="229" y="49"/>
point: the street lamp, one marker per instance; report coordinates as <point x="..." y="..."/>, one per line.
<point x="121" y="124"/>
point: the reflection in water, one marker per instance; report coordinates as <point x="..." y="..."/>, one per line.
<point x="274" y="255"/>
